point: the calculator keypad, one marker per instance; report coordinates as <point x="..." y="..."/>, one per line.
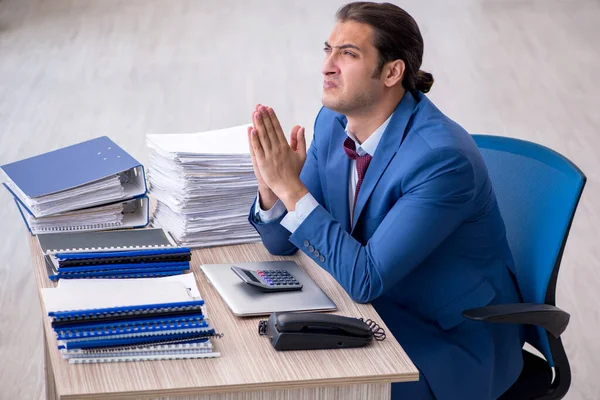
<point x="277" y="277"/>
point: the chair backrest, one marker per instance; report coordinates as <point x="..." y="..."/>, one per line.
<point x="537" y="191"/>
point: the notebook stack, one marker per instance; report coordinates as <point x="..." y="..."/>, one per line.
<point x="121" y="254"/>
<point x="93" y="185"/>
<point x="98" y="321"/>
<point x="204" y="184"/>
<point x="120" y="264"/>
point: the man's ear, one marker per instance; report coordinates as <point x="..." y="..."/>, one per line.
<point x="394" y="72"/>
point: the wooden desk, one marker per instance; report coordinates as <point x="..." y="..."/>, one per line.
<point x="249" y="368"/>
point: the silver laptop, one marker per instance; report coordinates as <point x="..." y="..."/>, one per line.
<point x="246" y="300"/>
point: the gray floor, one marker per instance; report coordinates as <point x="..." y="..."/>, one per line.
<point x="73" y="70"/>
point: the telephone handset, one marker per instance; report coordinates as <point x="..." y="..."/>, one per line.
<point x="305" y="331"/>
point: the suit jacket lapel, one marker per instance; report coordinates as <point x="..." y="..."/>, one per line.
<point x="338" y="175"/>
<point x="387" y="147"/>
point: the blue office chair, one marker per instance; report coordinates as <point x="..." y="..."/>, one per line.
<point x="538" y="191"/>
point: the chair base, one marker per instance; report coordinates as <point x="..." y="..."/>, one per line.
<point x="534" y="381"/>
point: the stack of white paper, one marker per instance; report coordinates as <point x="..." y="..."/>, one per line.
<point x="205" y="185"/>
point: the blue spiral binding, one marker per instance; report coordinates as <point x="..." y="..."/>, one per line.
<point x="130" y="266"/>
<point x="128" y="310"/>
<point x="120" y="276"/>
<point x="128" y="322"/>
<point x="72" y="334"/>
<point x="118" y="254"/>
<point x="87" y="344"/>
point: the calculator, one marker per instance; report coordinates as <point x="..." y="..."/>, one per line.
<point x="278" y="280"/>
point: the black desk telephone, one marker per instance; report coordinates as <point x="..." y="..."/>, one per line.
<point x="306" y="331"/>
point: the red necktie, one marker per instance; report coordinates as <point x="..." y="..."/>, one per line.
<point x="362" y="163"/>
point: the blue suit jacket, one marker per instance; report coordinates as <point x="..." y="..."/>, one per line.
<point x="428" y="242"/>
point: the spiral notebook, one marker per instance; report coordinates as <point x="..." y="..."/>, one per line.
<point x="82" y="297"/>
<point x="121" y="240"/>
<point x="119" y="264"/>
<point x="147" y="319"/>
<point x="199" y="349"/>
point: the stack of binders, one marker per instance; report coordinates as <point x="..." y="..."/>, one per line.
<point x="120" y="264"/>
<point x="205" y="184"/>
<point x="99" y="321"/>
<point x="93" y="185"/>
<point x="138" y="253"/>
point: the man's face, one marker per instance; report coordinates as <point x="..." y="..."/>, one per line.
<point x="350" y="62"/>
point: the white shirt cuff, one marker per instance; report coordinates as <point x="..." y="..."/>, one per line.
<point x="304" y="207"/>
<point x="270" y="215"/>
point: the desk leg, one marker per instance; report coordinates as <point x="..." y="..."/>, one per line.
<point x="49" y="373"/>
<point x="380" y="391"/>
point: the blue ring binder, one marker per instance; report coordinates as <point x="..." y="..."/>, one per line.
<point x="72" y="167"/>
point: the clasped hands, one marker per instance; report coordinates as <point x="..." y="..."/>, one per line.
<point x="277" y="164"/>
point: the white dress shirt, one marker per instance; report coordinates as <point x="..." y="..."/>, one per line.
<point x="307" y="204"/>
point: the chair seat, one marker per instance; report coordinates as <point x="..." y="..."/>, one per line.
<point x="534" y="381"/>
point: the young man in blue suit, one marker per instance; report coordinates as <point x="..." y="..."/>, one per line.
<point x="393" y="199"/>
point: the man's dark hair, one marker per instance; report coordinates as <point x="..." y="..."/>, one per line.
<point x="396" y="36"/>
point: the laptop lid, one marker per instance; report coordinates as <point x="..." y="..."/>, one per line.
<point x="245" y="300"/>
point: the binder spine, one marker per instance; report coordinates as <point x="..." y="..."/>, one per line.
<point x="23" y="216"/>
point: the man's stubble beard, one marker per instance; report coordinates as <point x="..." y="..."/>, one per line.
<point x="356" y="104"/>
